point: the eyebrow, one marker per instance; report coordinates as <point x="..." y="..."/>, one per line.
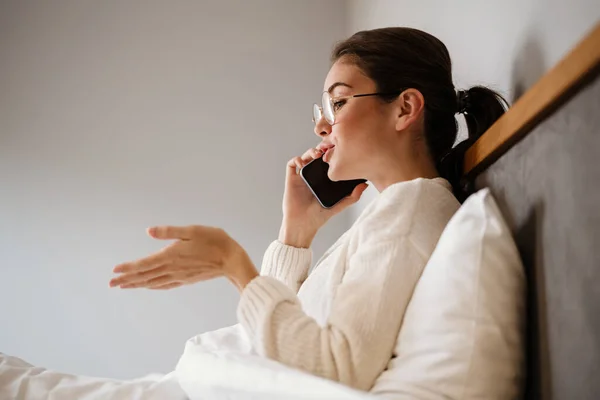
<point x="338" y="84"/>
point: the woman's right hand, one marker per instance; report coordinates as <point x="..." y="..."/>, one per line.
<point x="303" y="215"/>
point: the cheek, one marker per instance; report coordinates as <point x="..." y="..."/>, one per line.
<point x="351" y="129"/>
<point x="352" y="150"/>
<point x="357" y="139"/>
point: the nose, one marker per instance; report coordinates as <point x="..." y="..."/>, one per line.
<point x="322" y="128"/>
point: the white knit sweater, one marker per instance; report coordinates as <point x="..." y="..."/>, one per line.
<point x="342" y="321"/>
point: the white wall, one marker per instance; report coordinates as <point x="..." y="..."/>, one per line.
<point x="507" y="44"/>
<point x="119" y="115"/>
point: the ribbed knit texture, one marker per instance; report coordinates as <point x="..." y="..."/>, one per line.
<point x="343" y="322"/>
<point x="287" y="264"/>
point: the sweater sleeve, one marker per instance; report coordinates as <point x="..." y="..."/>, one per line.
<point x="287" y="264"/>
<point x="357" y="342"/>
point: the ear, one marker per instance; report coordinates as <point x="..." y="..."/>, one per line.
<point x="410" y="107"/>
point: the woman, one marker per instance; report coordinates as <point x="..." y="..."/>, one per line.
<point x="388" y="116"/>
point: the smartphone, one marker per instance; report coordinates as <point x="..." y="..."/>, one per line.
<point x="327" y="192"/>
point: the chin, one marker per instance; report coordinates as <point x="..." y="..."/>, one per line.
<point x="334" y="173"/>
<point x="339" y="172"/>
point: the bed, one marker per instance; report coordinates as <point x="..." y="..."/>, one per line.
<point x="540" y="160"/>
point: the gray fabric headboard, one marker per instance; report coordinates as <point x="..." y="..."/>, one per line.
<point x="548" y="187"/>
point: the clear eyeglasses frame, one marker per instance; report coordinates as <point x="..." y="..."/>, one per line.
<point x="328" y="105"/>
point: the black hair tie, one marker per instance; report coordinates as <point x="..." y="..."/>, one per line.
<point x="462" y="98"/>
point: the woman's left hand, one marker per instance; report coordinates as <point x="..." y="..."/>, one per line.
<point x="200" y="253"/>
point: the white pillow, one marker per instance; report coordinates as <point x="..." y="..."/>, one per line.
<point x="463" y="333"/>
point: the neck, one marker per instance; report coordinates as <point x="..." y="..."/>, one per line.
<point x="403" y="163"/>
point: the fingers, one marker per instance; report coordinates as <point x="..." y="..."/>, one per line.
<point x="352" y="198"/>
<point x="183" y="258"/>
<point x="296" y="163"/>
<point x="138" y="277"/>
<point x="172" y="232"/>
<point x="311" y="154"/>
<point x="163" y="280"/>
<point x="167" y="286"/>
<point x="143" y="264"/>
<point x="359" y="190"/>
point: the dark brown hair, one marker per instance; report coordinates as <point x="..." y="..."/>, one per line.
<point x="398" y="58"/>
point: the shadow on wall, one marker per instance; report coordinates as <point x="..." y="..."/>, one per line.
<point x="527" y="234"/>
<point x="528" y="67"/>
<point x="529" y="242"/>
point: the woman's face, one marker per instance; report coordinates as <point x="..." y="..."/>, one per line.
<point x="363" y="126"/>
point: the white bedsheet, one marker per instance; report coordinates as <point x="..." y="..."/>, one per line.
<point x="214" y="366"/>
<point x="20" y="380"/>
<point x="221" y="365"/>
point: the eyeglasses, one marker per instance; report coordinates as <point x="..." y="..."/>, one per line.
<point x="330" y="105"/>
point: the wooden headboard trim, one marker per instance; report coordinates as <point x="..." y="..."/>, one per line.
<point x="551" y="91"/>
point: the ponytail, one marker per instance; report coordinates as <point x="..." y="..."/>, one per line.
<point x="481" y="107"/>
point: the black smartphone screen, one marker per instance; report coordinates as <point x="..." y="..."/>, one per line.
<point x="328" y="192"/>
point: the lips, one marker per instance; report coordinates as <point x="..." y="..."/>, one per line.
<point x="325" y="146"/>
<point x="327" y="149"/>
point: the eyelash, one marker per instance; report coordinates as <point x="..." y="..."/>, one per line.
<point x="338" y="104"/>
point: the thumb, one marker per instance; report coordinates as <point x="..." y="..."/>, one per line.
<point x="352" y="198"/>
<point x="170" y="232"/>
